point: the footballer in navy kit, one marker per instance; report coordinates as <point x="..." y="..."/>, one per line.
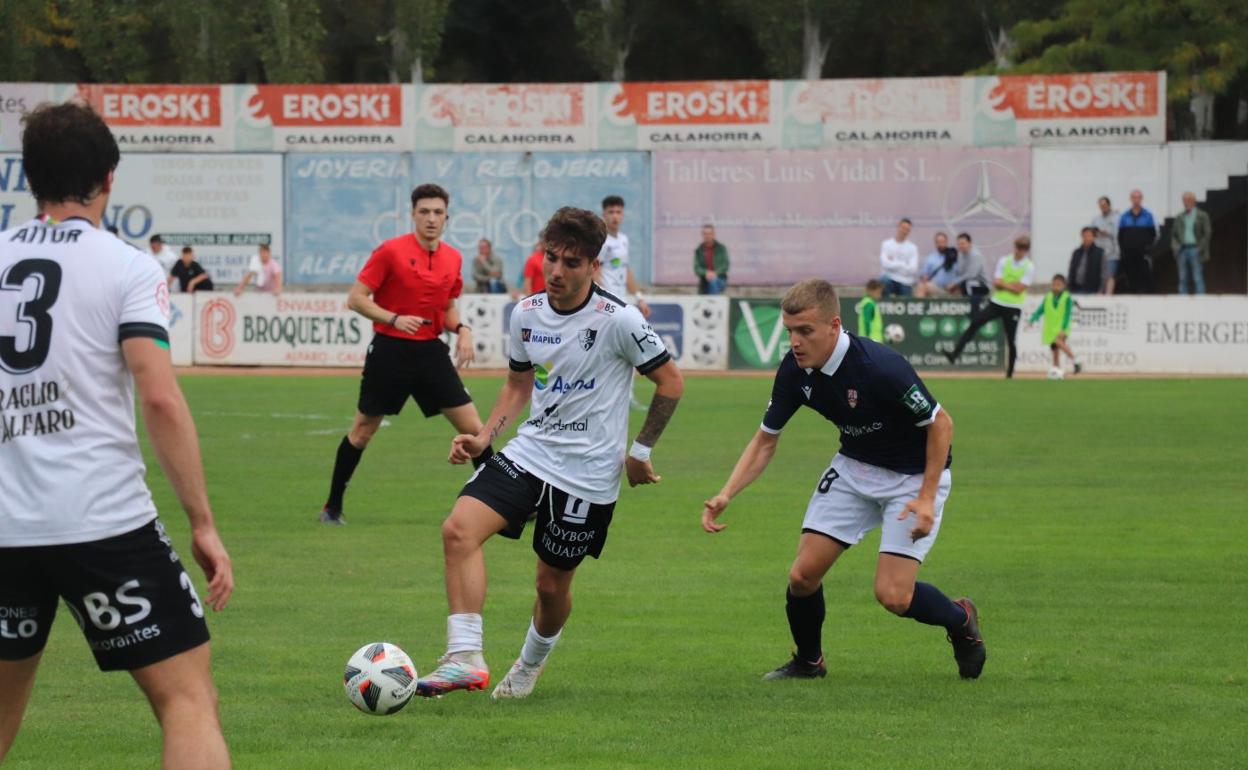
<point x="573" y="351"/>
<point x="892" y="471"/>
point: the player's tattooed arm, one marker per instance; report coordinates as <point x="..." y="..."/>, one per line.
<point x="670" y="386"/>
<point x="661" y="410"/>
<point x="498" y="429"/>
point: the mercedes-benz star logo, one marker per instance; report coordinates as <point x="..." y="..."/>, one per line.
<point x="996" y="208"/>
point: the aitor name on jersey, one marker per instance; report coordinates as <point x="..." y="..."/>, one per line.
<point x="45" y="235"/>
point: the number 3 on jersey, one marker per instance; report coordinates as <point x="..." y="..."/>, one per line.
<point x="32" y="314"/>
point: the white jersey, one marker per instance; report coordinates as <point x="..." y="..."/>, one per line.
<point x="614" y="261"/>
<point x="577" y="429"/>
<point x="71" y="467"/>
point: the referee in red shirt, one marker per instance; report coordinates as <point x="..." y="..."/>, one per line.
<point x="408" y="289"/>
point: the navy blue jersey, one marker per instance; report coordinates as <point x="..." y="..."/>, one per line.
<point x="873" y="396"/>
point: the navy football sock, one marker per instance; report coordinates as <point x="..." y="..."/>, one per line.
<point x="480" y="459"/>
<point x="344" y="466"/>
<point x="932" y="607"/>
<point x="806" y="623"/>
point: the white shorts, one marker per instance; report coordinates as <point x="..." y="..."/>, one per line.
<point x="853" y="498"/>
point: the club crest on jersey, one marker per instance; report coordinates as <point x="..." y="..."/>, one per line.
<point x="587" y="338"/>
<point x="851" y="396"/>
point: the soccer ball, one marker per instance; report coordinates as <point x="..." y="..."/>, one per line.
<point x="708" y="314"/>
<point x="1056" y="374"/>
<point x="380" y="679"/>
<point x="894" y="333"/>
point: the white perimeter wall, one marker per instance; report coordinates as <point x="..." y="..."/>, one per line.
<point x="1066" y="181"/>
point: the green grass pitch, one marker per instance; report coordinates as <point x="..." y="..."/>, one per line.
<point x="1100" y="525"/>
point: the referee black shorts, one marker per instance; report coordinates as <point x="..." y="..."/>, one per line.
<point x="397" y="368"/>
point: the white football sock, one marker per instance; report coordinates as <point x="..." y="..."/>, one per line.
<point x="464" y="633"/>
<point x="537" y="647"/>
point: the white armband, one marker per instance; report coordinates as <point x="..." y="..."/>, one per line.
<point x="640" y="452"/>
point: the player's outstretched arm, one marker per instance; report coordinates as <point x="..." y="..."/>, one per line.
<point x="753" y="461"/>
<point x="939" y="439"/>
<point x="670" y="386"/>
<point x="174" y="439"/>
<point x="511" y="400"/>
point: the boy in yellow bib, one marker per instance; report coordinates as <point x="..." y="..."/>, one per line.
<point x="1056" y="310"/>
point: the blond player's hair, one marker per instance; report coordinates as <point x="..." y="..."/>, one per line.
<point x="812" y="293"/>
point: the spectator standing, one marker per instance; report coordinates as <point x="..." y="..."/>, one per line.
<point x="1086" y="263"/>
<point x="533" y="279"/>
<point x="265" y="270"/>
<point x="1137" y="232"/>
<point x="487" y="269"/>
<point x="899" y="261"/>
<point x="937" y="274"/>
<point x="190" y="275"/>
<point x="164" y="256"/>
<point x="1106" y="226"/>
<point x="1015" y="273"/>
<point x="710" y="263"/>
<point x="968" y="277"/>
<point x="1189" y="240"/>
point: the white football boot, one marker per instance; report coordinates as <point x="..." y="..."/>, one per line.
<point x="519" y="680"/>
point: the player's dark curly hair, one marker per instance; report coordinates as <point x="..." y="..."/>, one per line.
<point x="430" y="190"/>
<point x="68" y="152"/>
<point x="576" y="230"/>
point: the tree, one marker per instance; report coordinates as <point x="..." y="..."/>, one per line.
<point x="605" y="31"/>
<point x="415" y="38"/>
<point x="797" y="44"/>
<point x="1201" y="44"/>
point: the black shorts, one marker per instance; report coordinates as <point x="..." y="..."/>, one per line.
<point x="397" y="368"/>
<point x="129" y="593"/>
<point x="566" y="530"/>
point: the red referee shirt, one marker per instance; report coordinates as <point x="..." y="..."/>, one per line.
<point x="533" y="271"/>
<point x="408" y="279"/>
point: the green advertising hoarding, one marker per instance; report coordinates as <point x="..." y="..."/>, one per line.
<point x="928" y="328"/>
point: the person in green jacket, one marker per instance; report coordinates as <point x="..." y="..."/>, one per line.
<point x="710" y="263"/>
<point x="1056" y="310"/>
<point x="870" y="323"/>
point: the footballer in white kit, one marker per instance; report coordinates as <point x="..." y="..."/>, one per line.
<point x="615" y="272"/>
<point x="83" y="315"/>
<point x="574" y="348"/>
